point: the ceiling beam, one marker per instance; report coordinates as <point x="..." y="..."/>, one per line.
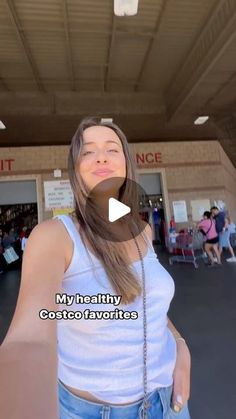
<point x="218" y="33"/>
<point x="23" y="43"/>
<point x="68" y="45"/>
<point x="92" y="31"/>
<point x="68" y="103"/>
<point x="109" y="54"/>
<point x="226" y="127"/>
<point x="231" y="80"/>
<point x="150" y="45"/>
<point x="77" y="79"/>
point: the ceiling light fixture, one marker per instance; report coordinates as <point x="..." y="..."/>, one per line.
<point x="2" y="126"/>
<point x="106" y="120"/>
<point x="201" y="120"/>
<point x="125" y="7"/>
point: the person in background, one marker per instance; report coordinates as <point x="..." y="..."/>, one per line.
<point x="162" y="228"/>
<point x="22" y="233"/>
<point x="224" y="239"/>
<point x="156" y="223"/>
<point x="219" y="217"/>
<point x="6" y="241"/>
<point x="12" y="236"/>
<point x="208" y="228"/>
<point x="25" y="238"/>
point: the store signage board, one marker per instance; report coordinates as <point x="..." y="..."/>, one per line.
<point x="58" y="195"/>
<point x="199" y="206"/>
<point x="180" y="211"/>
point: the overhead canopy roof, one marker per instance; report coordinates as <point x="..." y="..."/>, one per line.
<point x="154" y="73"/>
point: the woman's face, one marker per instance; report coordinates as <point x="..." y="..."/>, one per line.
<point x="102" y="156"/>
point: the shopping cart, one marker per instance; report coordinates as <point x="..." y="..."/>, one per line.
<point x="186" y="247"/>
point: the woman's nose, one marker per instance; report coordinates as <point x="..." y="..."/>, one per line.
<point x="101" y="158"/>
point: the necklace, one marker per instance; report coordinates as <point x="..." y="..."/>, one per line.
<point x="146" y="403"/>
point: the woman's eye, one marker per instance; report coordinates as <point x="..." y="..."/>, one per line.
<point x="86" y="152"/>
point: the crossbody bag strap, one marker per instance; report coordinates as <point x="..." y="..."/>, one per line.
<point x="209" y="228"/>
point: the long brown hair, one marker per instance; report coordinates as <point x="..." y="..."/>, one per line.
<point x="91" y="223"/>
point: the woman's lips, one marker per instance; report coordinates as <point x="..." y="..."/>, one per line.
<point x="102" y="172"/>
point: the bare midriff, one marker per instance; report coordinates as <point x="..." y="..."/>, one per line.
<point x="88" y="396"/>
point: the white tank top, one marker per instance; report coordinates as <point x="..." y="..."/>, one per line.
<point x="105" y="357"/>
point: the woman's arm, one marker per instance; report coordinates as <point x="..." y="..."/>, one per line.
<point x="181" y="374"/>
<point x="200" y="225"/>
<point x="226" y="225"/>
<point x="28" y="355"/>
<point x="182" y="371"/>
<point x="173" y="329"/>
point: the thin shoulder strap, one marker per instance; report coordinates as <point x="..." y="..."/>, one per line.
<point x="70" y="226"/>
<point x="209" y="227"/>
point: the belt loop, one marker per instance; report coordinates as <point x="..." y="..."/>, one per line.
<point x="105" y="412"/>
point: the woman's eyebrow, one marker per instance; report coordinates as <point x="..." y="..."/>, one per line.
<point x="107" y="141"/>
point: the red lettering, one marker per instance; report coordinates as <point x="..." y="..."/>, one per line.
<point x="9" y="161"/>
<point x="9" y="164"/>
<point x="147" y="158"/>
<point x="140" y="158"/>
<point x="158" y="157"/>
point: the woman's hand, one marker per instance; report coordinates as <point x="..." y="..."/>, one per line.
<point x="181" y="376"/>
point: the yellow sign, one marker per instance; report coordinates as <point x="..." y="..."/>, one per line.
<point x="62" y="211"/>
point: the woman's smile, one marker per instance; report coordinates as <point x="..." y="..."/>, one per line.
<point x="102" y="172"/>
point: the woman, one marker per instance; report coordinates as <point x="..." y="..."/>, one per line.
<point x="224" y="239"/>
<point x="208" y="228"/>
<point x="109" y="368"/>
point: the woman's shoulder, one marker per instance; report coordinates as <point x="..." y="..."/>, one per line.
<point x="52" y="225"/>
<point x="49" y="238"/>
<point x="52" y="229"/>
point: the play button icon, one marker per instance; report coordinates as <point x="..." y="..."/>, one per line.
<point x="117" y="210"/>
<point x="113" y="208"/>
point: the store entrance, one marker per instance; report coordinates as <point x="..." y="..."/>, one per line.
<point x="18" y="216"/>
<point x="153" y="210"/>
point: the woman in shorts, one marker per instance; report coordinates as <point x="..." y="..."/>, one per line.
<point x="208" y="229"/>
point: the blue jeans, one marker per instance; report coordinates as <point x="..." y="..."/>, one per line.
<point x="74" y="407"/>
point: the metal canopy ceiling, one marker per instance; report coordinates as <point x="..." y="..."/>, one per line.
<point x="154" y="73"/>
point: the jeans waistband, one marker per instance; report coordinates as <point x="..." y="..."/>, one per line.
<point x="107" y="403"/>
<point x="80" y="406"/>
